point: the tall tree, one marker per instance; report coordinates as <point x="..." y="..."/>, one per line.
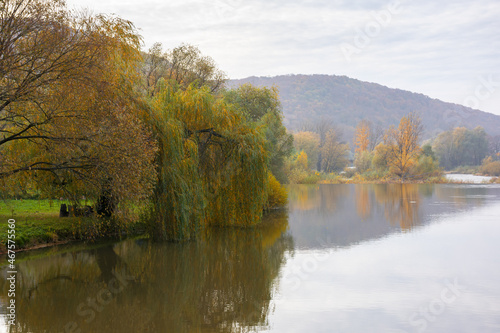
<point x="461" y="146"/>
<point x="334" y="153"/>
<point x="185" y="65"/>
<point x="403" y="144"/>
<point x="212" y="164"/>
<point x="68" y="109"/>
<point x="362" y="136"/>
<point x="262" y="107"/>
<point x="309" y="143"/>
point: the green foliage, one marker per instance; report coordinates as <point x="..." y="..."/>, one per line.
<point x="298" y="170"/>
<point x="427" y="151"/>
<point x="461" y="146"/>
<point x="309" y="143"/>
<point x="212" y="165"/>
<point x="253" y="101"/>
<point x="426" y="168"/>
<point x="380" y="157"/>
<point x="262" y="108"/>
<point x="38" y="223"/>
<point x="363" y="161"/>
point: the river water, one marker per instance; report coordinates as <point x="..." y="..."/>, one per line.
<point x="342" y="258"/>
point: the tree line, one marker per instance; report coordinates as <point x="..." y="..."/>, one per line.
<point x="394" y="153"/>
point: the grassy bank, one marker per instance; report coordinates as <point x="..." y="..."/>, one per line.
<point x="38" y="224"/>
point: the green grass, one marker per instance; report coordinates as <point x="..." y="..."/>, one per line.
<point x="38" y="223"/>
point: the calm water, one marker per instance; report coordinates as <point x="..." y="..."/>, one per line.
<point x="343" y="258"/>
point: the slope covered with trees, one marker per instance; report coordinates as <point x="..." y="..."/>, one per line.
<point x="307" y="98"/>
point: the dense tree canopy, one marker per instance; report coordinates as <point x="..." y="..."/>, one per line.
<point x="403" y="144"/>
<point x="309" y="143"/>
<point x="461" y="146"/>
<point x="262" y="108"/>
<point x="68" y="110"/>
<point x="184" y="65"/>
<point x="212" y="164"/>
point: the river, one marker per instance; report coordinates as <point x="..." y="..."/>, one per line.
<point x="341" y="258"/>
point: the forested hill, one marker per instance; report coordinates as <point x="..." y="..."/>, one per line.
<point x="346" y="101"/>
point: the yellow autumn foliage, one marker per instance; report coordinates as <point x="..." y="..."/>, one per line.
<point x="278" y="195"/>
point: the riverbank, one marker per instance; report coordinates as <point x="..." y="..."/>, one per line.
<point x="38" y="225"/>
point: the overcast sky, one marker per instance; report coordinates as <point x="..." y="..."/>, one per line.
<point x="448" y="50"/>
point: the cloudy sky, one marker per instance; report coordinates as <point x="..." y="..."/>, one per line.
<point x="448" y="50"/>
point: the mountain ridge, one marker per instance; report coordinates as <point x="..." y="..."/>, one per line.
<point x="346" y="101"/>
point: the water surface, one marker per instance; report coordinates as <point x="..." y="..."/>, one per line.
<point x="342" y="258"/>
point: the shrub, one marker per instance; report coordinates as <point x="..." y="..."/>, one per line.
<point x="426" y="168"/>
<point x="490" y="167"/>
<point x="466" y="169"/>
<point x="278" y="196"/>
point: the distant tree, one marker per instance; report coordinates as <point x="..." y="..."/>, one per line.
<point x="403" y="145"/>
<point x="376" y="136"/>
<point x="334" y="153"/>
<point x="461" y="146"/>
<point x="494" y="146"/>
<point x="302" y="160"/>
<point x="490" y="167"/>
<point x="321" y="126"/>
<point x="427" y="151"/>
<point x="381" y="157"/>
<point x="309" y="143"/>
<point x="362" y="136"/>
<point x="363" y="161"/>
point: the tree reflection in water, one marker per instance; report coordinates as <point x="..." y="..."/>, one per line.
<point x="222" y="283"/>
<point x="401" y="203"/>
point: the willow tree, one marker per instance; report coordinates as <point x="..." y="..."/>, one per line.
<point x="261" y="106"/>
<point x="212" y="166"/>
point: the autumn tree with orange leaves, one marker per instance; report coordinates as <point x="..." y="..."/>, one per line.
<point x="403" y="147"/>
<point x="362" y="136"/>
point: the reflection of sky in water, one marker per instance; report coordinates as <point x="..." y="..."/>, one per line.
<point x="345" y="258"/>
<point x="378" y="285"/>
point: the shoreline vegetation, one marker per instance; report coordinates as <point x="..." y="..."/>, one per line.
<point x="158" y="145"/>
<point x="39" y="226"/>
